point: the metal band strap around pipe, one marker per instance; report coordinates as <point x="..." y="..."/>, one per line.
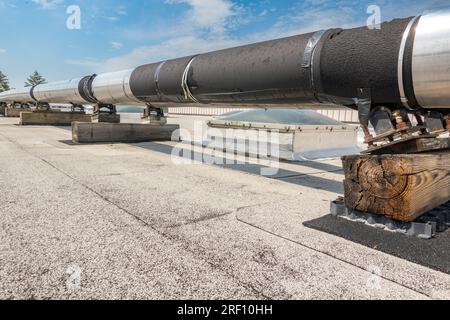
<point x="316" y="78"/>
<point x="401" y="58"/>
<point x="126" y="87"/>
<point x="309" y="50"/>
<point x="86" y="89"/>
<point x="32" y="94"/>
<point x="184" y="82"/>
<point x="308" y="57"/>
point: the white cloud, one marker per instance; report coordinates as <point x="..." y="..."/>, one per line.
<point x="111" y="18"/>
<point x="174" y="48"/>
<point x="116" y="45"/>
<point x="2" y="50"/>
<point x="211" y="14"/>
<point x="48" y="4"/>
<point x="122" y="11"/>
<point x="264" y="13"/>
<point x="204" y="28"/>
<point x="89" y="63"/>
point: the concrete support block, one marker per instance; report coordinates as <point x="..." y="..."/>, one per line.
<point x="106" y="117"/>
<point x="15" y="112"/>
<point x="121" y="132"/>
<point x="44" y="118"/>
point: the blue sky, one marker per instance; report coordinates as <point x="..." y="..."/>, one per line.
<point x="117" y="34"/>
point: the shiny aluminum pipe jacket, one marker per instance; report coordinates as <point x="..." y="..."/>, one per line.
<point x="56" y="92"/>
<point x="114" y="88"/>
<point x="17" y="95"/>
<point x="406" y="62"/>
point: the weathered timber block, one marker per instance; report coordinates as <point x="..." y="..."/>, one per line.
<point x="400" y="187"/>
<point x="15" y="112"/>
<point x="154" y="121"/>
<point x="38" y="118"/>
<point x="106" y="117"/>
<point x="121" y="132"/>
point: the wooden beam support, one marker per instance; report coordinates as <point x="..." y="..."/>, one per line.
<point x="400" y="187"/>
<point x="122" y="132"/>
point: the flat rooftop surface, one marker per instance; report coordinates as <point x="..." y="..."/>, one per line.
<point x="129" y="221"/>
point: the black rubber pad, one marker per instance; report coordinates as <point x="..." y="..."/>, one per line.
<point x="433" y="253"/>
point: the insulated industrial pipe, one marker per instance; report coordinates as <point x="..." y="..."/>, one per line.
<point x="405" y="63"/>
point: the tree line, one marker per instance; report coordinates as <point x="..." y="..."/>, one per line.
<point x="32" y="80"/>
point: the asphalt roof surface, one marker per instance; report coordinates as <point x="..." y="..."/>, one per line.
<point x="127" y="221"/>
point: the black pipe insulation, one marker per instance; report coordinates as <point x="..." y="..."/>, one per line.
<point x="271" y="72"/>
<point x="398" y="64"/>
